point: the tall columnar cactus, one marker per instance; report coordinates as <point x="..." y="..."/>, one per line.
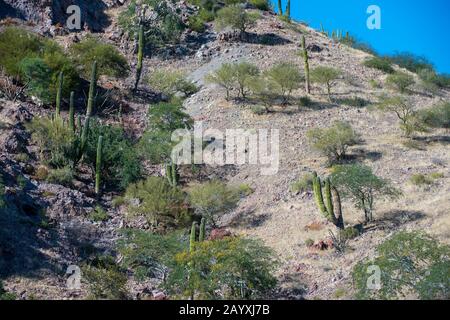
<point x="288" y="10"/>
<point x="98" y="165"/>
<point x="59" y="94"/>
<point x="140" y="57"/>
<point x="202" y="232"/>
<point x="306" y="60"/>
<point x="72" y="112"/>
<point x="328" y="201"/>
<point x="90" y="106"/>
<point x="172" y="174"/>
<point x="192" y="237"/>
<point x="280" y="8"/>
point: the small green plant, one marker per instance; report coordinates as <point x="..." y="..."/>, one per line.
<point x="382" y="64"/>
<point x="437" y="116"/>
<point x="98" y="165"/>
<point x="98" y="214"/>
<point x="333" y="142"/>
<point x="326" y="76"/>
<point x="263" y="5"/>
<point x="357" y="102"/>
<point x="306" y="66"/>
<point x="5" y="295"/>
<point x="224" y="77"/>
<point x="413" y="265"/>
<point x="63" y="176"/>
<point x="105" y="279"/>
<point x="303" y="184"/>
<point x="140" y="56"/>
<point x="285" y="78"/>
<point x="374" y="84"/>
<point x="349" y="233"/>
<point x="309" y="243"/>
<point x="305" y="101"/>
<point x="400" y="81"/>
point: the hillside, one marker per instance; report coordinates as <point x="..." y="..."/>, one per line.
<point x="47" y="226"/>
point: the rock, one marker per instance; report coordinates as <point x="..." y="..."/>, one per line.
<point x="314" y="48"/>
<point x="15" y="141"/>
<point x="218" y="234"/>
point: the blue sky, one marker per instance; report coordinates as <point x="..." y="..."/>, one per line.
<point x="421" y="27"/>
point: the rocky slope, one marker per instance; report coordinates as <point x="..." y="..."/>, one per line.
<point x="36" y="265"/>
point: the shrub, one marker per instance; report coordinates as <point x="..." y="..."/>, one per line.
<point x="411" y="62"/>
<point x="161" y="204"/>
<point x="109" y="60"/>
<point x="36" y="61"/>
<point x="403" y="109"/>
<point x="171" y="82"/>
<point x="245" y="73"/>
<point x="413" y="265"/>
<point x="261" y="4"/>
<point x="63" y="176"/>
<point x="56" y="141"/>
<point x="286" y="78"/>
<point x="236" y="18"/>
<point x="305" y="101"/>
<point x="357" y="183"/>
<point x="326" y="76"/>
<point x="303" y="184"/>
<point x="309" y="243"/>
<point x="382" y="64"/>
<point x="148" y="254"/>
<point x="437" y="116"/>
<point x="105" y="279"/>
<point x="224" y="77"/>
<point x="212" y="199"/>
<point x="354" y="102"/>
<point x="5" y="295"/>
<point x="400" y="81"/>
<point x="121" y="164"/>
<point x="349" y="233"/>
<point x="98" y="214"/>
<point x="420" y="179"/>
<point x="231" y="268"/>
<point x="333" y="142"/>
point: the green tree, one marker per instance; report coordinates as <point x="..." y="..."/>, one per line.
<point x="236" y="18"/>
<point x="212" y="199"/>
<point x="357" y="183"/>
<point x="285" y="78"/>
<point x="437" y="116"/>
<point x="326" y="76"/>
<point x="232" y="268"/>
<point x="400" y="81"/>
<point x="245" y="74"/>
<point x="171" y="82"/>
<point x="161" y="204"/>
<point x="334" y="141"/>
<point x="412" y="264"/>
<point x="224" y="77"/>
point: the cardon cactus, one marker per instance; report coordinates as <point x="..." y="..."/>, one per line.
<point x="306" y="62"/>
<point x="59" y="94"/>
<point x="192" y="237"/>
<point x="98" y="165"/>
<point x="288" y="10"/>
<point x="280" y="8"/>
<point x="72" y="112"/>
<point x="90" y="106"/>
<point x="172" y="174"/>
<point x="328" y="201"/>
<point x="140" y="57"/>
<point x="202" y="232"/>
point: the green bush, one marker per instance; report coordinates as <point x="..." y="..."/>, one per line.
<point x="232" y="268"/>
<point x="213" y="199"/>
<point x="349" y="233"/>
<point x="420" y="179"/>
<point x="224" y="77"/>
<point x="410" y="62"/>
<point x="36" y="61"/>
<point x="63" y="176"/>
<point x="305" y="101"/>
<point x="261" y="4"/>
<point x="382" y="64"/>
<point x="171" y="82"/>
<point x="400" y="81"/>
<point x="110" y="61"/>
<point x="98" y="214"/>
<point x="413" y="265"/>
<point x="285" y="78"/>
<point x="121" y="162"/>
<point x="244" y="73"/>
<point x="161" y="204"/>
<point x="163" y="28"/>
<point x="358" y="183"/>
<point x="4" y="295"/>
<point x="236" y="18"/>
<point x="334" y="141"/>
<point x="326" y="76"/>
<point x="357" y="102"/>
<point x="105" y="279"/>
<point x="437" y="116"/>
<point x="56" y="141"/>
<point x="303" y="184"/>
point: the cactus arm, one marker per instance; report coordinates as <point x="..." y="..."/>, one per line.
<point x="192" y="237"/>
<point x="329" y="202"/>
<point x="201" y="236"/>
<point x="317" y="187"/>
<point x="59" y="94"/>
<point x="92" y="85"/>
<point x="280" y="8"/>
<point x="338" y="208"/>
<point x="72" y="112"/>
<point x="306" y="60"/>
<point x="140" y="57"/>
